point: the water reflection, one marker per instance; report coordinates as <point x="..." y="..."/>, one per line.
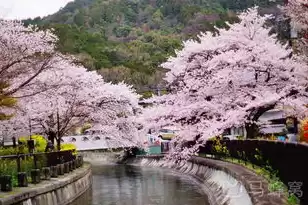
<point x="129" y="185"/>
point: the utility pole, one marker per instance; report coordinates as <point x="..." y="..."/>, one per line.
<point x="30" y="142"/>
<point x="58" y="130"/>
<point x="30" y="128"/>
<point x="158" y="90"/>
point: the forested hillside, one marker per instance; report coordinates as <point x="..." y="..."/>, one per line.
<point x="128" y="39"/>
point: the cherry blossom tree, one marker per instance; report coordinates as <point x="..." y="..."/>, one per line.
<point x="25" y="53"/>
<point x="297" y="10"/>
<point x="53" y="93"/>
<point x="78" y="96"/>
<point x="228" y="80"/>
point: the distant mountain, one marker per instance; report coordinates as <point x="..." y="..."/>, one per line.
<point x="128" y="39"/>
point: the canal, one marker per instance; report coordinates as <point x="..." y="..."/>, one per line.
<point x="131" y="185"/>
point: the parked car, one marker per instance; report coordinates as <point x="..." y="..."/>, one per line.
<point x="168" y="133"/>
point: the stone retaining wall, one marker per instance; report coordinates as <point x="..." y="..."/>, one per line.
<point x="57" y="191"/>
<point x="214" y="174"/>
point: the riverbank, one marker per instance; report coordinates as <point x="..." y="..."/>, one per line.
<point x="225" y="182"/>
<point x="61" y="191"/>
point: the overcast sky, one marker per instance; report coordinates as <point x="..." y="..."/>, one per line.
<point x="21" y="9"/>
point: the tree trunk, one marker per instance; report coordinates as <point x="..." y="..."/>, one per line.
<point x="52" y="136"/>
<point x="251" y="128"/>
<point x="59" y="144"/>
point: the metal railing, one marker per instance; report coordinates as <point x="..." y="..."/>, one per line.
<point x="288" y="159"/>
<point x="47" y="159"/>
<point x="17" y="170"/>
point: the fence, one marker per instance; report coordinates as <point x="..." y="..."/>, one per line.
<point x="288" y="159"/>
<point x="17" y="170"/>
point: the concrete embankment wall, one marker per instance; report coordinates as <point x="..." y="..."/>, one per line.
<point x="224" y="183"/>
<point x="57" y="191"/>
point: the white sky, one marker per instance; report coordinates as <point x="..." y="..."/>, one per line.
<point x="21" y="9"/>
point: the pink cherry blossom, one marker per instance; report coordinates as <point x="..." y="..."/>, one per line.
<point x="54" y="93"/>
<point x="228" y="80"/>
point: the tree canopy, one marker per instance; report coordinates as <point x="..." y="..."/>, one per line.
<point x="228" y="80"/>
<point x="54" y="92"/>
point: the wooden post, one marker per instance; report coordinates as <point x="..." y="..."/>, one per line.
<point x="22" y="179"/>
<point x="18" y="164"/>
<point x="35" y="176"/>
<point x="35" y="161"/>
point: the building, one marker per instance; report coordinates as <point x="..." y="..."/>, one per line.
<point x="235" y="132"/>
<point x="271" y="122"/>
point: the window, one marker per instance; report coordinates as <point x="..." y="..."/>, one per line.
<point x="278" y="121"/>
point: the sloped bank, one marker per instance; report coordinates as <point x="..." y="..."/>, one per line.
<point x="224" y="183"/>
<point x="57" y="191"/>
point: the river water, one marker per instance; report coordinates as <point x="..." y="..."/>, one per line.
<point x="131" y="185"/>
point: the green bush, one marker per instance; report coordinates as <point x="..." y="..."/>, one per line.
<point x="220" y="149"/>
<point x="8" y="151"/>
<point x="147" y="95"/>
<point x="9" y="166"/>
<point x="68" y="146"/>
<point x="240" y="137"/>
<point x="293" y="200"/>
<point x="40" y="142"/>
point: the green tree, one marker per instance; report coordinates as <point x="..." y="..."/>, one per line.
<point x="136" y="35"/>
<point x="157" y="18"/>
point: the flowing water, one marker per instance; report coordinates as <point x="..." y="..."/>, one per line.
<point x="132" y="185"/>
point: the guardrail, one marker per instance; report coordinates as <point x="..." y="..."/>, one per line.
<point x="17" y="170"/>
<point x="288" y="159"/>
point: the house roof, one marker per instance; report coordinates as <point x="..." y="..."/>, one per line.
<point x="272" y="115"/>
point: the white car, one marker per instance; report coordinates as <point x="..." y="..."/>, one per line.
<point x="167" y="133"/>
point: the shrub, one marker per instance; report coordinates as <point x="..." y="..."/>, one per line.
<point x="68" y="146"/>
<point x="240" y="137"/>
<point x="9" y="166"/>
<point x="8" y="151"/>
<point x="220" y="149"/>
<point x="40" y="142"/>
